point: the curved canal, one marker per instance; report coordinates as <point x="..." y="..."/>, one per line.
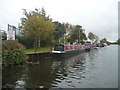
<point x="95" y="69"/>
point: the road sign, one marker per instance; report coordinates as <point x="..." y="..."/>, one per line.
<point x="11" y="35"/>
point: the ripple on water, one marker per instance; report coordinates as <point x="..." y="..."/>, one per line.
<point x="82" y="76"/>
<point x="68" y="81"/>
<point x="76" y="77"/>
<point x="71" y="85"/>
<point x="75" y="68"/>
<point x="54" y="85"/>
<point x="58" y="80"/>
<point x="74" y="74"/>
<point x="71" y="71"/>
<point x="20" y="84"/>
<point x="41" y="86"/>
<point x="78" y="65"/>
<point x="59" y="74"/>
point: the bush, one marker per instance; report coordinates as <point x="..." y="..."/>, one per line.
<point x="12" y="53"/>
<point x="26" y="41"/>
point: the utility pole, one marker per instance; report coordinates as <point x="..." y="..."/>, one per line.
<point x="79" y="37"/>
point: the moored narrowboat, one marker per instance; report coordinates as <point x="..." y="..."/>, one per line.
<point x="61" y="48"/>
<point x="67" y="48"/>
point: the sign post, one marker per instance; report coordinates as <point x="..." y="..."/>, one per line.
<point x="11" y="32"/>
<point x="11" y="35"/>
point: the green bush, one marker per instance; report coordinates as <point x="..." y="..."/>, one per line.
<point x="26" y="41"/>
<point x="12" y="53"/>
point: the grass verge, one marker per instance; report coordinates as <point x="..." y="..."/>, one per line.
<point x="40" y="50"/>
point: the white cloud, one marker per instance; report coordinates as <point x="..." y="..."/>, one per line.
<point x="97" y="16"/>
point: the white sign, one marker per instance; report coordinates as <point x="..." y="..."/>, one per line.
<point x="11" y="35"/>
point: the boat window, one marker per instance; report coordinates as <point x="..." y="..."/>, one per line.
<point x="59" y="48"/>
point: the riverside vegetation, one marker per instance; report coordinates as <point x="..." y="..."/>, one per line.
<point x="12" y="53"/>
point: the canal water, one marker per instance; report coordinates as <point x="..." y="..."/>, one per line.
<point x="95" y="69"/>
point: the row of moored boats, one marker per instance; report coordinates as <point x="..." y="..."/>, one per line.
<point x="65" y="48"/>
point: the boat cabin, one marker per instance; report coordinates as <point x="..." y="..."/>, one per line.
<point x="59" y="47"/>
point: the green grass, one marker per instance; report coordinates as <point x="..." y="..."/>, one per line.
<point x="42" y="49"/>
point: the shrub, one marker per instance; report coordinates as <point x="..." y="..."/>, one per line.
<point x="26" y="41"/>
<point x="12" y="53"/>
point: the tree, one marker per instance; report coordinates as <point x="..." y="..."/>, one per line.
<point x="37" y="25"/>
<point x="104" y="40"/>
<point x="69" y="28"/>
<point x="91" y="36"/>
<point x="4" y="35"/>
<point x="78" y="34"/>
<point x="59" y="31"/>
<point x="118" y="41"/>
<point x="43" y="12"/>
<point x="82" y="36"/>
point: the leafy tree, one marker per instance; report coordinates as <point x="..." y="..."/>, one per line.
<point x="43" y="12"/>
<point x="4" y="35"/>
<point x="37" y="25"/>
<point x="69" y="29"/>
<point x="78" y="34"/>
<point x="91" y="36"/>
<point x="118" y="41"/>
<point x="82" y="35"/>
<point x="66" y="25"/>
<point x="59" y="31"/>
<point x="104" y="40"/>
<point x="75" y="33"/>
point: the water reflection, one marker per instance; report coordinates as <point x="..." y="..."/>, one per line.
<point x="62" y="71"/>
<point x="75" y="69"/>
<point x="10" y="76"/>
<point x="49" y="73"/>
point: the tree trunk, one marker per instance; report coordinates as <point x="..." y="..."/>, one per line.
<point x="39" y="43"/>
<point x="35" y="45"/>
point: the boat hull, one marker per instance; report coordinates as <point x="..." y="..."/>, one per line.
<point x="70" y="51"/>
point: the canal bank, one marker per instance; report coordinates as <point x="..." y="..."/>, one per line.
<point x="95" y="69"/>
<point x="36" y="56"/>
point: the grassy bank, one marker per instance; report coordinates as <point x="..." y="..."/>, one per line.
<point x="42" y="49"/>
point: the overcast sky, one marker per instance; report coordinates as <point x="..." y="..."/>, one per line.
<point x="97" y="16"/>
